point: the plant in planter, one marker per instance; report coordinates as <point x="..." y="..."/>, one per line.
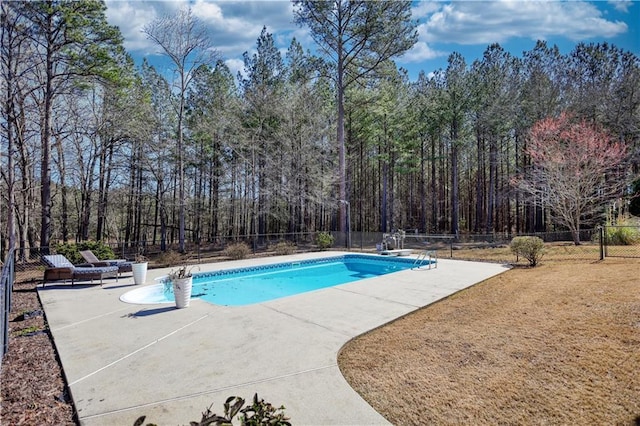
<point x="182" y="282"/>
<point x="139" y="268"/>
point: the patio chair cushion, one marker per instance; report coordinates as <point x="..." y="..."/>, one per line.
<point x="122" y="264"/>
<point x="90" y="257"/>
<point x="57" y="261"/>
<point x="97" y="272"/>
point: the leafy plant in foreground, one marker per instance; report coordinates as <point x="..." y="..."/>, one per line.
<point x="258" y="413"/>
<point x="262" y="413"/>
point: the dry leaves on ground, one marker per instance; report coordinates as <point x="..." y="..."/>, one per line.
<point x="33" y="389"/>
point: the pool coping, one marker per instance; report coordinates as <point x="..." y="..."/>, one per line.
<point x="122" y="360"/>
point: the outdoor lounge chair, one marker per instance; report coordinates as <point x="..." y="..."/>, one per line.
<point x="59" y="268"/>
<point x="122" y="264"/>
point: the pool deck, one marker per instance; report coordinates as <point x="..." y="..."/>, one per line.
<point x="122" y="360"/>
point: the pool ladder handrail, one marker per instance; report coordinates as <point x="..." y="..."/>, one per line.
<point x="422" y="257"/>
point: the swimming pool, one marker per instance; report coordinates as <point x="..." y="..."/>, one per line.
<point x="246" y="286"/>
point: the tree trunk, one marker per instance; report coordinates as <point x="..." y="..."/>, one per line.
<point x="45" y="161"/>
<point x="106" y="156"/>
<point x="493" y="171"/>
<point x="434" y="188"/>
<point x="480" y="189"/>
<point x="181" y="194"/>
<point x="63" y="191"/>
<point x="455" y="201"/>
<point x="342" y="167"/>
<point x="128" y="229"/>
<point x="423" y="188"/>
<point x="8" y="37"/>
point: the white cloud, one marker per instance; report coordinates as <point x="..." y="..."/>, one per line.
<point x="235" y="66"/>
<point x="424" y="8"/>
<point x="484" y="22"/>
<point x="131" y="17"/>
<point x="621" y="5"/>
<point x="206" y="11"/>
<point x="421" y="52"/>
<point x="234" y="26"/>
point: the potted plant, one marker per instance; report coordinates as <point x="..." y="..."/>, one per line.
<point x="139" y="268"/>
<point x="182" y="282"/>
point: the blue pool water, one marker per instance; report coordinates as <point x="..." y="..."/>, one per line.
<point x="245" y="286"/>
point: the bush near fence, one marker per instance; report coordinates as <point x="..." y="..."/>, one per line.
<point x="621" y="241"/>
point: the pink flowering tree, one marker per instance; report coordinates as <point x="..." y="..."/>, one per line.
<point x="576" y="169"/>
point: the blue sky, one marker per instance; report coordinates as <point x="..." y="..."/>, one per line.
<point x="444" y="27"/>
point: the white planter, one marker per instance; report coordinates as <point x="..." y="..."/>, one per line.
<point x="182" y="291"/>
<point x="139" y="271"/>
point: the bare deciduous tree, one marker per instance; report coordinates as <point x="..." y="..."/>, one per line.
<point x="576" y="169"/>
<point x="184" y="40"/>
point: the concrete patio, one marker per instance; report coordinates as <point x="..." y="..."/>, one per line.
<point x="123" y="360"/>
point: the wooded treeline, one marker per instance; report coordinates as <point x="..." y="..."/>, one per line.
<point x="89" y="141"/>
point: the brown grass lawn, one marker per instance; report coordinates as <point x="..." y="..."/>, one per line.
<point x="555" y="344"/>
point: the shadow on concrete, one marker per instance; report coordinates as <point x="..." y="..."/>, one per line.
<point x="149" y="312"/>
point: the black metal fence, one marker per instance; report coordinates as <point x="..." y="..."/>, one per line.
<point x="620" y="241"/>
<point x="195" y="251"/>
<point x="29" y="265"/>
<point x="6" y="289"/>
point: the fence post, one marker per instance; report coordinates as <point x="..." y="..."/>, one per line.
<point x="6" y="287"/>
<point x="602" y="233"/>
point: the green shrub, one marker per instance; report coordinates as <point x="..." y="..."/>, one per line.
<point x="284" y="247"/>
<point x="531" y="248"/>
<point x="237" y="251"/>
<point x="102" y="251"/>
<point x="72" y="251"/>
<point x="324" y="240"/>
<point x="623" y="235"/>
